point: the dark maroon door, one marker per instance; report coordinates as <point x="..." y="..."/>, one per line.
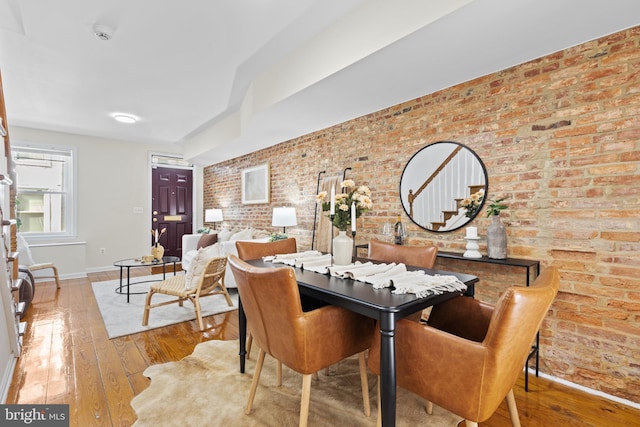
<point x="171" y="206"/>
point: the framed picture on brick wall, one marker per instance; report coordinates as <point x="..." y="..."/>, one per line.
<point x="255" y="184"/>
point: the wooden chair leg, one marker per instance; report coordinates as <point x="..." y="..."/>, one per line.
<point x="147" y="307"/>
<point x="196" y="306"/>
<point x="55" y="275"/>
<point x="278" y="366"/>
<point x="226" y="295"/>
<point x="304" y="401"/>
<point x="256" y="379"/>
<point x="249" y="342"/>
<point x="513" y="409"/>
<point x="365" y="384"/>
<point x="429" y="408"/>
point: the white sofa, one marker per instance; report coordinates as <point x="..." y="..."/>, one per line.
<point x="224" y="248"/>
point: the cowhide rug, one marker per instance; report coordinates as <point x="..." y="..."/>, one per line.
<point x="207" y="389"/>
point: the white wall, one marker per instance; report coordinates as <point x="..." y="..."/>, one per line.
<point x="112" y="178"/>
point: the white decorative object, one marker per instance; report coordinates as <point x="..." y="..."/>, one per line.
<point x="353" y="216"/>
<point x="472" y="232"/>
<point x="472" y="248"/>
<point x="332" y="210"/>
<point x="342" y="249"/>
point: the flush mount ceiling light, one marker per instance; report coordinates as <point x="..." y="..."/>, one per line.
<point x="103" y="32"/>
<point x="125" y="118"/>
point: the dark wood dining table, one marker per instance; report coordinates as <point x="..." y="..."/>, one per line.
<point x="379" y="304"/>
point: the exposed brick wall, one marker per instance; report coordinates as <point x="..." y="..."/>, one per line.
<point x="560" y="139"/>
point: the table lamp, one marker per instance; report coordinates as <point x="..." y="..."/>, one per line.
<point x="284" y="217"/>
<point x="213" y="215"/>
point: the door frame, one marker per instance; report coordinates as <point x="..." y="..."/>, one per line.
<point x="194" y="179"/>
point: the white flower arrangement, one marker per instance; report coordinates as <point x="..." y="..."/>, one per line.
<point x="359" y="197"/>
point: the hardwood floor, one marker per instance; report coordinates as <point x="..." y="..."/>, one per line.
<point x="68" y="358"/>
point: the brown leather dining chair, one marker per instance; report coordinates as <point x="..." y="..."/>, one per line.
<point x="468" y="357"/>
<point x="257" y="250"/>
<point x="307" y="341"/>
<point x="416" y="256"/>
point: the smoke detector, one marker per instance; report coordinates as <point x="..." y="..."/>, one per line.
<point x="103" y="32"/>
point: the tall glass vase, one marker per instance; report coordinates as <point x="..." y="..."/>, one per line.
<point x="342" y="249"/>
<point x="496" y="239"/>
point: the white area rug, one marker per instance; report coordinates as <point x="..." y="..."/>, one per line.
<point x="121" y="318"/>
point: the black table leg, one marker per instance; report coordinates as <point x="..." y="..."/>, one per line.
<point x="535" y="350"/>
<point x="537" y="353"/>
<point x="128" y="283"/>
<point x="388" y="369"/>
<point x="242" y="326"/>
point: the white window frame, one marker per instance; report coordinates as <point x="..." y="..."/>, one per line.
<point x="70" y="224"/>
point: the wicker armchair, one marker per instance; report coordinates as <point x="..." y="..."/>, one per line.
<point x="206" y="282"/>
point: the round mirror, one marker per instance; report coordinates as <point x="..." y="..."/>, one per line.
<point x="443" y="186"/>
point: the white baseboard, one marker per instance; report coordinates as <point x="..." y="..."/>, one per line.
<point x="101" y="269"/>
<point x="73" y="276"/>
<point x="109" y="268"/>
<point x="62" y="277"/>
<point x="532" y="372"/>
<point x="82" y="275"/>
<point x="6" y="379"/>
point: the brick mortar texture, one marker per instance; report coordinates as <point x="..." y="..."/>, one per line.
<point x="559" y="137"/>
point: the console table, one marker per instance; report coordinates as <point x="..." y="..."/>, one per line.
<point x="528" y="265"/>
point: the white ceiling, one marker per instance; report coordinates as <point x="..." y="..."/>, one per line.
<point x="224" y="78"/>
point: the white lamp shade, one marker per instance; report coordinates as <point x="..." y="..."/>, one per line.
<point x="213" y="215"/>
<point x="284" y="217"/>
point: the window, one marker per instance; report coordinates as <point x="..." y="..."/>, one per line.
<point x="44" y="199"/>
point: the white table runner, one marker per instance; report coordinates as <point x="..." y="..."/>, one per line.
<point x="379" y="275"/>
